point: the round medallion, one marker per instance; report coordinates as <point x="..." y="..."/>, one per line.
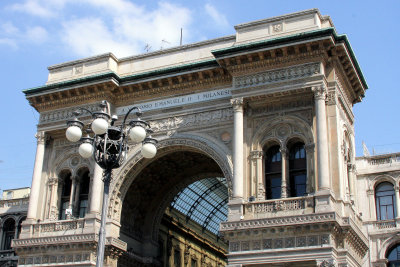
<point x="226" y="137"/>
<point x="74" y="161"/>
<point x="283" y="130"/>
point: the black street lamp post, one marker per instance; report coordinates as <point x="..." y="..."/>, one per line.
<point x="109" y="147"/>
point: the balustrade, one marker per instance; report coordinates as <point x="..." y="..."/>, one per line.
<point x="272" y="208"/>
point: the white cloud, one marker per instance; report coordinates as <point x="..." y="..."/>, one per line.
<point x="127" y="30"/>
<point x="36" y="34"/>
<point x="219" y="18"/>
<point x="90" y="36"/>
<point x="40" y="8"/>
<point x="8" y="42"/>
<point x="89" y="27"/>
<point x="9" y="28"/>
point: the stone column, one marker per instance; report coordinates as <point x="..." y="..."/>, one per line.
<point x="310" y="168"/>
<point x="36" y="177"/>
<point x="257" y="184"/>
<point x="397" y="197"/>
<point x="322" y="138"/>
<point x="237" y="104"/>
<point x="285" y="172"/>
<point x="76" y="197"/>
<point x="75" y="180"/>
<point x="96" y="190"/>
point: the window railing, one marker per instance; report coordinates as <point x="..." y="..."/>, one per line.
<point x="387" y="224"/>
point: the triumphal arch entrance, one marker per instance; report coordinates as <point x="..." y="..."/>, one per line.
<point x="255" y="155"/>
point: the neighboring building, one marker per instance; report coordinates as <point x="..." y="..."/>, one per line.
<point x="378" y="201"/>
<point x="268" y="109"/>
<point x="13" y="210"/>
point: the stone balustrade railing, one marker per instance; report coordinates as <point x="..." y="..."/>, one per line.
<point x="58" y="226"/>
<point x="386" y="225"/>
<point x="272" y="208"/>
<point x="19" y="202"/>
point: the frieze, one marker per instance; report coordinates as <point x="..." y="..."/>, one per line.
<point x="192" y="120"/>
<point x="294" y="106"/>
<point x="76" y="258"/>
<point x="65" y="114"/>
<point x="296" y="72"/>
<point x="279" y="243"/>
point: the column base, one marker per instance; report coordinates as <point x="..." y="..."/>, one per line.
<point x="235" y="209"/>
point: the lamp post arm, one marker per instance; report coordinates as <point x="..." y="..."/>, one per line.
<point x="138" y="113"/>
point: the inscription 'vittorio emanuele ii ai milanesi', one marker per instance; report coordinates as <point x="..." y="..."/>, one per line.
<point x="179" y="101"/>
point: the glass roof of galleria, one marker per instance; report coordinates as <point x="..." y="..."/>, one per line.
<point x="204" y="202"/>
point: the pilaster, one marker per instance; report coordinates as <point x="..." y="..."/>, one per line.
<point x="257" y="176"/>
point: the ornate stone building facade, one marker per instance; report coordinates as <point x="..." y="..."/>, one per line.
<point x="268" y="110"/>
<point x="13" y="210"/>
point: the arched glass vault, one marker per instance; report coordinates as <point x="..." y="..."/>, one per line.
<point x="204" y="202"/>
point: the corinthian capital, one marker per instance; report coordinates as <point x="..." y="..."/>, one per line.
<point x="319" y="92"/>
<point x="41" y="137"/>
<point x="237" y="104"/>
<point x="256" y="154"/>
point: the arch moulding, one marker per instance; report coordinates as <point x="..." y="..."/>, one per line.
<point x="179" y="142"/>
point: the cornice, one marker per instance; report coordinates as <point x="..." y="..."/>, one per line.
<point x="122" y="80"/>
<point x="278" y="18"/>
<point x="310" y="36"/>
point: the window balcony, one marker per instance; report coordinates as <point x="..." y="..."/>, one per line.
<point x="279" y="207"/>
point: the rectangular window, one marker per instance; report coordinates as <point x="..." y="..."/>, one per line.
<point x="64" y="207"/>
<point x="83" y="205"/>
<point x="177" y="258"/>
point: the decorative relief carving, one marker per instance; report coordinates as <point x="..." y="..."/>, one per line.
<point x="75" y="161"/>
<point x="245" y="245"/>
<point x="286" y="106"/>
<point x="319" y="92"/>
<point x="331" y="98"/>
<point x="326" y="263"/>
<point x="237" y="104"/>
<point x="234" y="246"/>
<point x="256" y="154"/>
<point x="65" y="114"/>
<point x="41" y="137"/>
<point x="192" y="120"/>
<point x="277" y="27"/>
<point x="277" y="243"/>
<point x="296" y="72"/>
<point x="282" y="130"/>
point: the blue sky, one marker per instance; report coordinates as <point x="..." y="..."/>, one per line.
<point x="35" y="34"/>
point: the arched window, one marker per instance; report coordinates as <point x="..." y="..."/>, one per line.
<point x="385" y="201"/>
<point x="8" y="233"/>
<point x="393" y="256"/>
<point x="297" y="170"/>
<point x="83" y="194"/>
<point x="273" y="173"/>
<point x="65" y="194"/>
